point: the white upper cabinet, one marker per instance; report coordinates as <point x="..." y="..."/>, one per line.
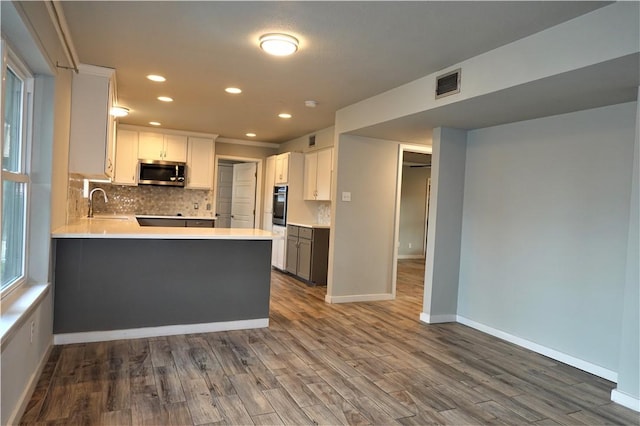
<point x="126" y="171"/>
<point x="282" y="169"/>
<point x="158" y="146"/>
<point x="200" y="165"/>
<point x="317" y="175"/>
<point x="92" y="130"/>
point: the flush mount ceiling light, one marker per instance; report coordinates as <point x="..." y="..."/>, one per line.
<point x="157" y="78"/>
<point x="284" y="115"/>
<point x="278" y="44"/>
<point x="233" y="90"/>
<point x="165" y="99"/>
<point x="119" y="111"/>
<point x="251" y="135"/>
<point x="155" y="123"/>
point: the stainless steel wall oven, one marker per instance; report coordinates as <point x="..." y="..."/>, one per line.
<point x="280" y="205"/>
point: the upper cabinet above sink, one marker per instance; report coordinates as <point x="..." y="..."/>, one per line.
<point x="92" y="131"/>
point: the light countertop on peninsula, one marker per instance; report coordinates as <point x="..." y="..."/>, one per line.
<point x="309" y="225"/>
<point x="112" y="226"/>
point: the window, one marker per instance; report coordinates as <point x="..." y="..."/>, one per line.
<point x="16" y="92"/>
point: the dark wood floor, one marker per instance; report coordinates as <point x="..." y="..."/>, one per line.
<point x="361" y="363"/>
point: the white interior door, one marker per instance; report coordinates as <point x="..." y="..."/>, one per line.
<point x="223" y="198"/>
<point x="243" y="199"/>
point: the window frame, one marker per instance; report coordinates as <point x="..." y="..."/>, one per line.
<point x="11" y="61"/>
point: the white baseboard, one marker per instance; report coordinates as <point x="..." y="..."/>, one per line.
<point x="435" y="319"/>
<point x="358" y="298"/>
<point x="168" y="330"/>
<point x="17" y="414"/>
<point x="625" y="400"/>
<point x="551" y="353"/>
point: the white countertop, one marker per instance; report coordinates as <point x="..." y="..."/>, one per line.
<point x="309" y="225"/>
<point x="126" y="227"/>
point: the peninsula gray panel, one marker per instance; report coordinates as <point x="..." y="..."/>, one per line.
<point x="113" y="284"/>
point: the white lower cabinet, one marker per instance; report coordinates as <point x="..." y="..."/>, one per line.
<point x="126" y="158"/>
<point x="278" y="248"/>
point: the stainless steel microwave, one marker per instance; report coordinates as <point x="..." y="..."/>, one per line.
<point x="169" y="173"/>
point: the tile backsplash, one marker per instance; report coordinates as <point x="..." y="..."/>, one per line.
<point x="152" y="200"/>
<point x="143" y="199"/>
<point x="324" y="213"/>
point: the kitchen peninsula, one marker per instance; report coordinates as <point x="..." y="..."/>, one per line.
<point x="115" y="279"/>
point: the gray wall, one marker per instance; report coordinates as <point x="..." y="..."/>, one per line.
<point x="35" y="40"/>
<point x="362" y="234"/>
<point x="545" y="227"/>
<point x="629" y="366"/>
<point x="413" y="213"/>
<point x="445" y="225"/>
<point x="249" y="151"/>
<point x="324" y="139"/>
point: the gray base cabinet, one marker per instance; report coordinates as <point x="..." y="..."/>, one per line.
<point x="308" y="253"/>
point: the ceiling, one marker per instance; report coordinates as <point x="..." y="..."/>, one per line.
<point x="349" y="51"/>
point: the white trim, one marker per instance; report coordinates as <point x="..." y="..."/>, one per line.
<point x="96" y="70"/>
<point x="436" y="319"/>
<point x="17" y="305"/>
<point x="249" y="143"/>
<point x="17" y="414"/>
<point x="410" y="256"/>
<point x="164" y="131"/>
<point x="551" y="353"/>
<point x="257" y="215"/>
<point x="56" y="13"/>
<point x="167" y="330"/>
<point x="402" y="148"/>
<point x="625" y="400"/>
<point x="359" y="298"/>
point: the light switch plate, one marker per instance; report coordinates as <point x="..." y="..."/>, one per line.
<point x="346" y="196"/>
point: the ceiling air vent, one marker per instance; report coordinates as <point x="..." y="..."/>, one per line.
<point x="448" y="84"/>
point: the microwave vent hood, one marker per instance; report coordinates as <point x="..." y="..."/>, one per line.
<point x="162" y="173"/>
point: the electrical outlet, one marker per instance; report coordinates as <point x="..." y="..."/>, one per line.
<point x="32" y="331"/>
<point x="196" y="206"/>
<point x="208" y="206"/>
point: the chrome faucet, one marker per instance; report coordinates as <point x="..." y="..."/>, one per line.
<point x="106" y="200"/>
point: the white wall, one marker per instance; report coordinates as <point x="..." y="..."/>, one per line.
<point x="545" y="226"/>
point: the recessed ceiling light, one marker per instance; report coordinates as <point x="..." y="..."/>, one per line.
<point x="251" y="135"/>
<point x="278" y="44"/>
<point x="233" y="90"/>
<point x="284" y="115"/>
<point x="119" y="111"/>
<point x="165" y="99"/>
<point x="155" y="123"/>
<point x="157" y="78"/>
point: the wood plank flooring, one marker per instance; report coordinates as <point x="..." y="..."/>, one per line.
<point x="348" y="364"/>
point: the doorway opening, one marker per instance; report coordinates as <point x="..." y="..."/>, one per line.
<point x="411" y="213"/>
<point x="237" y="197"/>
